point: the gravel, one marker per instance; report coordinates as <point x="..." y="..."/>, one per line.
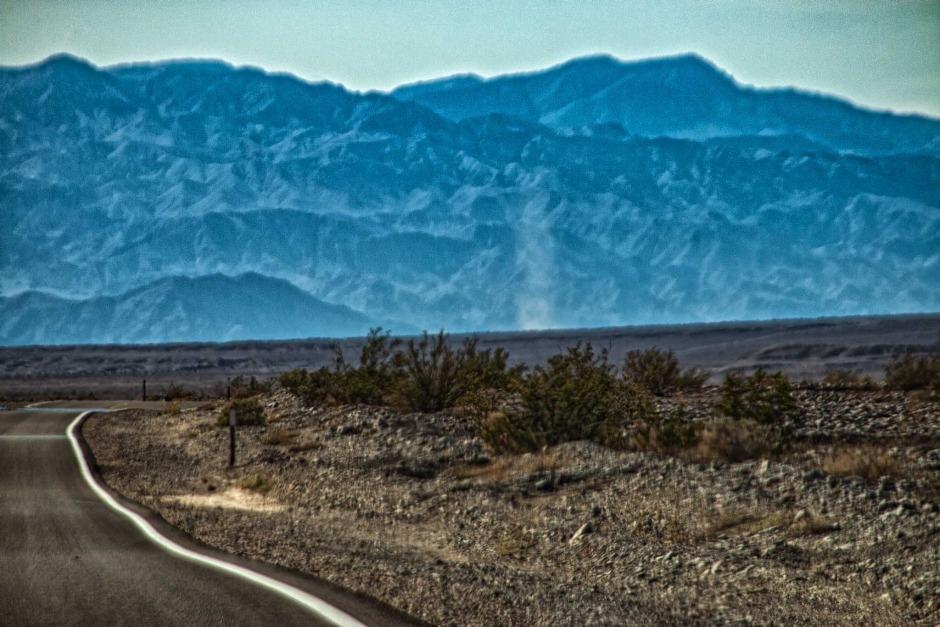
<point x="412" y="509"/>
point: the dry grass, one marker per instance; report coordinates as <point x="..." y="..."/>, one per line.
<point x="868" y="462"/>
<point x="279" y="438"/>
<point x="300" y="447"/>
<point x="511" y="466"/>
<point x="254" y="483"/>
<point x="734" y="441"/>
<point x="174" y="408"/>
<point x="794" y="524"/>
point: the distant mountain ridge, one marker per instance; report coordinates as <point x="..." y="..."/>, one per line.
<point x="683" y="97"/>
<point x="529" y="206"/>
<point x="209" y="308"/>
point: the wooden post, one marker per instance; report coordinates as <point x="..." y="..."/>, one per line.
<point x="143" y="390"/>
<point x="231" y="438"/>
<point x="228" y="389"/>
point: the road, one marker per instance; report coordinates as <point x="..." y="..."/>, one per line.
<point x="67" y="558"/>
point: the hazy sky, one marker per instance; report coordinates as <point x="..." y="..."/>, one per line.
<point x="884" y="54"/>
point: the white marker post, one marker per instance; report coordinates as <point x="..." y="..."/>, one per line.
<point x="231" y="437"/>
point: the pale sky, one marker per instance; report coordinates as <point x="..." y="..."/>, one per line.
<point x="881" y="54"/>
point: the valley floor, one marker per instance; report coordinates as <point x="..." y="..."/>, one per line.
<point x="412" y="510"/>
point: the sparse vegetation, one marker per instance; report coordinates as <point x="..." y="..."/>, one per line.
<point x="658" y="371"/>
<point x="246" y="387"/>
<point x="914" y="372"/>
<point x="279" y="438"/>
<point x="248" y="411"/>
<point x="174" y="392"/>
<point x="848" y="380"/>
<point x="576" y="396"/>
<point x="255" y="483"/>
<point x="735" y="441"/>
<point x="868" y="462"/>
<point x="762" y="397"/>
<point x="427" y="375"/>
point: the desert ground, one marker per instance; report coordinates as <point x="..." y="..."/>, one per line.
<point x="800" y="348"/>
<point x="840" y="528"/>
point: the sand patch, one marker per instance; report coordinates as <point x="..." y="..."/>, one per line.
<point x="232" y="498"/>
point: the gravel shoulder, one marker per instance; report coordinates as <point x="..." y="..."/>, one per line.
<point x="411" y="509"/>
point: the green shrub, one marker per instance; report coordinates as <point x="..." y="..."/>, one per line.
<point x="762" y="397"/>
<point x="914" y="372"/>
<point x="576" y="396"/>
<point x="248" y="411"/>
<point x="658" y="371"/>
<point x="434" y="376"/>
<point x="427" y="375"/>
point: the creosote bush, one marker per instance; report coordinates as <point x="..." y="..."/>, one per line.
<point x="658" y="371"/>
<point x="424" y="375"/>
<point x="248" y="411"/>
<point x="914" y="372"/>
<point x="576" y="396"/>
<point x="762" y="397"/>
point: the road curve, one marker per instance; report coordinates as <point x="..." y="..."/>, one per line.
<point x="69" y="558"/>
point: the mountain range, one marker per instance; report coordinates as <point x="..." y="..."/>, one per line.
<point x="193" y="200"/>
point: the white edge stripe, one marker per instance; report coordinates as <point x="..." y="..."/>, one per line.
<point x="316" y="605"/>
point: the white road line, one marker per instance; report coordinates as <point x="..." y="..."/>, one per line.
<point x="316" y="605"/>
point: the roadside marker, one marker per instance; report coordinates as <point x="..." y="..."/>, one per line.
<point x="316" y="605"/>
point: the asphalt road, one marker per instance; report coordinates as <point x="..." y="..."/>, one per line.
<point x="68" y="559"/>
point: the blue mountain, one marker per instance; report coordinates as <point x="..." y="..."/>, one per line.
<point x="595" y="193"/>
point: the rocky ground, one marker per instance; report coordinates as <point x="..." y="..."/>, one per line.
<point x="412" y="509"/>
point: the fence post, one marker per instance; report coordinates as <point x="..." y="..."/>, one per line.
<point x="231" y="438"/>
<point x="143" y="390"/>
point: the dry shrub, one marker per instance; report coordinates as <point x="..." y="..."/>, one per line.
<point x="248" y="411"/>
<point x="914" y="372"/>
<point x="734" y="441"/>
<point x="762" y="397"/>
<point x="280" y="438"/>
<point x="426" y="375"/>
<point x="174" y="408"/>
<point x="255" y="483"/>
<point x="174" y="392"/>
<point x="868" y="462"/>
<point x="747" y="521"/>
<point x="300" y="447"/>
<point x="658" y="371"/>
<point x="848" y="380"/>
<point x="576" y="396"/>
<point x="514" y="466"/>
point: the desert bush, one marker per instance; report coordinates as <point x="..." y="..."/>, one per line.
<point x="248" y="411"/>
<point x="658" y="371"/>
<point x="372" y="381"/>
<point x="245" y="387"/>
<point x="868" y="462"/>
<point x="576" y="396"/>
<point x="280" y="438"/>
<point x="734" y="441"/>
<point x="914" y="372"/>
<point x="762" y="397"/>
<point x="665" y="436"/>
<point x="848" y="380"/>
<point x="255" y="483"/>
<point x="174" y="408"/>
<point x="174" y="392"/>
<point x="434" y="376"/>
